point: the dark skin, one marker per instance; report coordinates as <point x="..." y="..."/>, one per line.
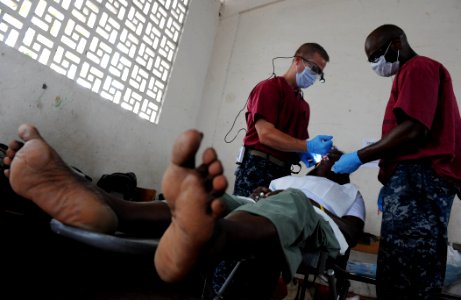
<point x="240" y="231"/>
<point x="352" y="227"/>
<point x="409" y="132"/>
<point x="192" y="216"/>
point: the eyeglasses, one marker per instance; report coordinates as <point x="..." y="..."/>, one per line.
<point x="314" y="67"/>
<point x="380" y="52"/>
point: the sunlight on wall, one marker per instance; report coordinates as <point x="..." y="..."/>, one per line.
<point x="122" y="50"/>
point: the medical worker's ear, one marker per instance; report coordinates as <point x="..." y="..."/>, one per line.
<point x="299" y="64"/>
<point x="396" y="44"/>
<point x="298" y="61"/>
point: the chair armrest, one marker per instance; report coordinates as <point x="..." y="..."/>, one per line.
<point x="117" y="242"/>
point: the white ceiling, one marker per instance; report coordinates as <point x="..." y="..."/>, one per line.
<point x="232" y="7"/>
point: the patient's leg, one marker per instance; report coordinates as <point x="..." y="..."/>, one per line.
<point x="194" y="233"/>
<point x="37" y="172"/>
<point x="191" y="194"/>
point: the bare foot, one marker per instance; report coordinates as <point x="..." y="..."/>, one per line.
<point x="191" y="195"/>
<point x="37" y="172"/>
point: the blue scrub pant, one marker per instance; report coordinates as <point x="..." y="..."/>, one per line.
<point x="413" y="246"/>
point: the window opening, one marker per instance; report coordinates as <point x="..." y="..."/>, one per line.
<point x="122" y="50"/>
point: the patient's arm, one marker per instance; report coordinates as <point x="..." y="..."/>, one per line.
<point x="256" y="195"/>
<point x="263" y="192"/>
<point x="351" y="227"/>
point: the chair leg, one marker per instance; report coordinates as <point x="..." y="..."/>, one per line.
<point x="330" y="273"/>
<point x="303" y="290"/>
<point x="229" y="279"/>
<point x="250" y="278"/>
<point x="302" y="287"/>
<point x="346" y="284"/>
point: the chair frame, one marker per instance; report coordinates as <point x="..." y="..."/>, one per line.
<point x="320" y="264"/>
<point x="314" y="263"/>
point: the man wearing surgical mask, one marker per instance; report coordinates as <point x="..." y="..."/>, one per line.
<point x="420" y="167"/>
<point x="277" y="119"/>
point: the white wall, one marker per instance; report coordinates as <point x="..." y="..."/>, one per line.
<point x="95" y="135"/>
<point x="350" y="105"/>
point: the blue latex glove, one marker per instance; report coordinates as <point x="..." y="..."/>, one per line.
<point x="348" y="163"/>
<point x="321" y="144"/>
<point x="307" y="159"/>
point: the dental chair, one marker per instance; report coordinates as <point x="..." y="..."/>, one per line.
<point x="136" y="276"/>
<point x="118" y="242"/>
<point x="316" y="263"/>
<point x="318" y="267"/>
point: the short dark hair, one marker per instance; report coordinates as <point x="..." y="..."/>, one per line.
<point x="311" y="48"/>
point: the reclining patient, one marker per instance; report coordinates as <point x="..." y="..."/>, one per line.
<point x="196" y="225"/>
<point x="336" y="200"/>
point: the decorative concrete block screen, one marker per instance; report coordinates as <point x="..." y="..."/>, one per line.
<point x="122" y="50"/>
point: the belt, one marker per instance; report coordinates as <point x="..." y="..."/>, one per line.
<point x="269" y="157"/>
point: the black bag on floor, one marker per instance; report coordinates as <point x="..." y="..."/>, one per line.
<point x="119" y="183"/>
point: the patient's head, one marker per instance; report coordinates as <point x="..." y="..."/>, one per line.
<point x="323" y="168"/>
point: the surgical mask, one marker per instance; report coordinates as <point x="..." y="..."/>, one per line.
<point x="306" y="78"/>
<point x="385" y="68"/>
